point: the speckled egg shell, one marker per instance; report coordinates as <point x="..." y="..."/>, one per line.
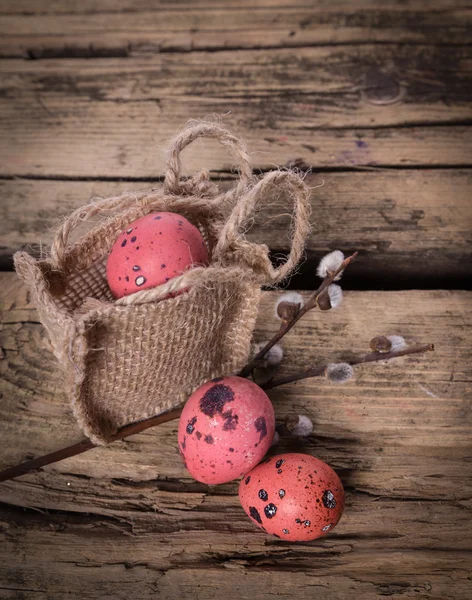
<point x="225" y="429"/>
<point x="153" y="250"/>
<point x="296" y="497"/>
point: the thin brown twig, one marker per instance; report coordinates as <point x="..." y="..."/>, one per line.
<point x="372" y="357"/>
<point x="286" y="326"/>
<point x="86" y="444"/>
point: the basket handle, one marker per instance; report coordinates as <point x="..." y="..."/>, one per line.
<point x="202" y="129"/>
<point x="172" y="181"/>
<point x="256" y="255"/>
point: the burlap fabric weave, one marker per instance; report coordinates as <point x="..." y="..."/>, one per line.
<point x="129" y="359"/>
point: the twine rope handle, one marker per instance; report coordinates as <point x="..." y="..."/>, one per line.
<point x="231" y="234"/>
<point x="197" y="185"/>
<point x="201" y="129"/>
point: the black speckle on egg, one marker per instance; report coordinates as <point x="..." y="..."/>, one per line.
<point x="136" y="268"/>
<point x="157" y="218"/>
<point x="231" y="421"/>
<point x="209" y="439"/>
<point x="231" y="449"/>
<point x="127" y="278"/>
<point x="270" y="510"/>
<point x="129" y="230"/>
<point x="328" y="499"/>
<point x="184" y="443"/>
<point x="281" y="493"/>
<point x="163" y="266"/>
<point x="307" y="523"/>
<point x="133" y="239"/>
<point x="123" y="243"/>
<point x="279" y="471"/>
<point x="191" y="425"/>
<point x="248" y="479"/>
<point x="140" y="280"/>
<point x="263" y="495"/>
<point x="279" y="463"/>
<point x="255" y="514"/>
<point x="261" y="427"/>
<point x="286" y="531"/>
<point x="215" y="398"/>
<point x="198" y="435"/>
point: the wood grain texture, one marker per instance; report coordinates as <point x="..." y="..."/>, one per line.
<point x="26" y="7"/>
<point x="90" y="29"/>
<point x="396" y="221"/>
<point x="128" y="519"/>
<point x="314" y="107"/>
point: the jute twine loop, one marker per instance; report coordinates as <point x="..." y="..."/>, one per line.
<point x="236" y="147"/>
<point x="232" y="236"/>
<point x="198" y="186"/>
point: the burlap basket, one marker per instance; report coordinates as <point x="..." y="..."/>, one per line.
<point x="129" y="359"/>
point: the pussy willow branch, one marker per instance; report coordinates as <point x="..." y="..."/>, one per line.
<point x="86" y="444"/>
<point x="372" y="357"/>
<point x="286" y="326"/>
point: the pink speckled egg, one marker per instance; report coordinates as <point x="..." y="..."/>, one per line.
<point x="153" y="250"/>
<point x="296" y="497"/>
<point x="225" y="429"/>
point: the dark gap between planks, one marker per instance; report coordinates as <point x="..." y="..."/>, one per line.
<point x="362" y="275"/>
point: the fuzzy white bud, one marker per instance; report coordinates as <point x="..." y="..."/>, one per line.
<point x="299" y="425"/>
<point x="289" y="298"/>
<point x="335" y="294"/>
<point x="397" y="341"/>
<point x="329" y="264"/>
<point x="339" y="372"/>
<point x="273" y="356"/>
<point x="275" y="439"/>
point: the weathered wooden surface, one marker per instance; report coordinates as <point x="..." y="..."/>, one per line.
<point x="313" y="106"/>
<point x="129" y="27"/>
<point x="396" y="223"/>
<point x="381" y="89"/>
<point x="375" y="98"/>
<point x="128" y="519"/>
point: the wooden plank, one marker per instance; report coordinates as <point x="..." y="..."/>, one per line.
<point x="124" y="29"/>
<point x="57" y="7"/>
<point x="315" y="107"/>
<point x="129" y="515"/>
<point x="415" y="227"/>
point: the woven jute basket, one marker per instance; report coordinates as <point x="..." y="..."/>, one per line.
<point x="129" y="359"/>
